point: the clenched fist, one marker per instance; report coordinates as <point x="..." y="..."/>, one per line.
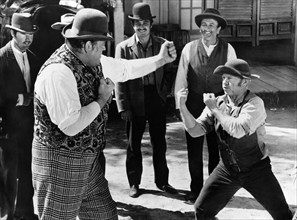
<point x="168" y="52"/>
<point x="181" y="97"/>
<point x="104" y="91"/>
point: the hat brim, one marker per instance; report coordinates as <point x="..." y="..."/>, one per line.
<point x="221" y="21"/>
<point x="69" y="34"/>
<point x="220" y="70"/>
<point x="138" y="18"/>
<point x="35" y="28"/>
<point x="58" y="25"/>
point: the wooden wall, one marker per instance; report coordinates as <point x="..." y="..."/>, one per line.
<point x="249" y="20"/>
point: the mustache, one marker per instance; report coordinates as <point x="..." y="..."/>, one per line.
<point x="204" y="31"/>
<point x="142" y="29"/>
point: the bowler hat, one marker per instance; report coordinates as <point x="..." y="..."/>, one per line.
<point x="211" y="13"/>
<point x="22" y="22"/>
<point x="88" y="24"/>
<point x="65" y="19"/>
<point x="141" y="11"/>
<point x="236" y="67"/>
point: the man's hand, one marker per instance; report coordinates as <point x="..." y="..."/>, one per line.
<point x="126" y="115"/>
<point x="181" y="97"/>
<point x="168" y="52"/>
<point x="104" y="91"/>
<point x="28" y="97"/>
<point x="209" y="100"/>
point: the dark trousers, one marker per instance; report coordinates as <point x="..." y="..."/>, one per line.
<point x="155" y="114"/>
<point x="16" y="174"/>
<point x="8" y="178"/>
<point x="24" y="205"/>
<point x="195" y="158"/>
<point x="259" y="181"/>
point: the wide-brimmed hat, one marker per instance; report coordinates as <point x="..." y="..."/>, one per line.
<point x="22" y="22"/>
<point x="238" y="68"/>
<point x="141" y="11"/>
<point x="65" y="19"/>
<point x="88" y="24"/>
<point x="211" y="13"/>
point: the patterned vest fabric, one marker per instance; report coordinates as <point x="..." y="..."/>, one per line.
<point x="238" y="154"/>
<point x="200" y="75"/>
<point x="89" y="140"/>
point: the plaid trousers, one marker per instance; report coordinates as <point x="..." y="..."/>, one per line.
<point x="70" y="185"/>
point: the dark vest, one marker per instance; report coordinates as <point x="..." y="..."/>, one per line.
<point x="238" y="154"/>
<point x="91" y="139"/>
<point x="200" y="75"/>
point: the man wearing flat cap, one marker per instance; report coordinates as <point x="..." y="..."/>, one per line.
<point x="143" y="100"/>
<point x="238" y="118"/>
<point x="72" y="96"/>
<point x="18" y="71"/>
<point x="198" y="60"/>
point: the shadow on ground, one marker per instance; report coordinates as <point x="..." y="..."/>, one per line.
<point x="138" y="212"/>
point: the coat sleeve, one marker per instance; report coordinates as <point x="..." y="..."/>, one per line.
<point x="121" y="93"/>
<point x="8" y="95"/>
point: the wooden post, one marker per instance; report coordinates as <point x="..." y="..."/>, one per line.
<point x="295" y="27"/>
<point x="118" y="22"/>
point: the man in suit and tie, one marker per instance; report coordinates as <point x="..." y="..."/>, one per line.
<point x="144" y="100"/>
<point x="18" y="71"/>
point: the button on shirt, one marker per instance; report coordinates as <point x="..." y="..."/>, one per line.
<point x="143" y="53"/>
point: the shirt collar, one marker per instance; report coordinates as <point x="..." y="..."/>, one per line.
<point x="15" y="50"/>
<point x="238" y="100"/>
<point x="212" y="46"/>
<point x="138" y="41"/>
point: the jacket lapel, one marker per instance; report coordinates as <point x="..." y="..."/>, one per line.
<point x="132" y="44"/>
<point x="159" y="72"/>
<point x="15" y="68"/>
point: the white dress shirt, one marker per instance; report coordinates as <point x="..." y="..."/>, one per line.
<point x="56" y="87"/>
<point x="23" y="62"/>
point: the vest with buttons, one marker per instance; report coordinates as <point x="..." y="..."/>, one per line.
<point x="238" y="154"/>
<point x="200" y="75"/>
<point x="91" y="139"/>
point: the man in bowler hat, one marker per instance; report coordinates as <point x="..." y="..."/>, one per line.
<point x="238" y="118"/>
<point x="72" y="96"/>
<point x="18" y="71"/>
<point x="198" y="60"/>
<point x="143" y="100"/>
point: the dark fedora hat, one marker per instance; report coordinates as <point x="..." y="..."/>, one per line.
<point x="88" y="24"/>
<point x="211" y="13"/>
<point x="238" y="68"/>
<point x="65" y="19"/>
<point x="22" y="22"/>
<point x="141" y="11"/>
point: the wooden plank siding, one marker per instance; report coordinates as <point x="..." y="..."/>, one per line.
<point x="238" y="9"/>
<point x="271" y="9"/>
<point x="274" y="79"/>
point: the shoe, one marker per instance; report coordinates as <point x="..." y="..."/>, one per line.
<point x="190" y="198"/>
<point x="168" y="189"/>
<point x="134" y="191"/>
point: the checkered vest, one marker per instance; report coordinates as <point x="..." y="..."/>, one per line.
<point x="91" y="139"/>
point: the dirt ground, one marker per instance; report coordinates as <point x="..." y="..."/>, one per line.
<point x="156" y="205"/>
